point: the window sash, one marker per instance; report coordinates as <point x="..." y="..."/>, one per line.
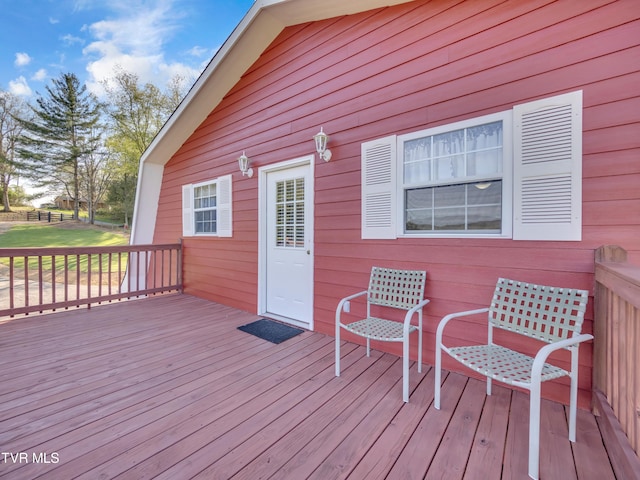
<point x="453" y="177"/>
<point x="205" y="201"/>
<point x="455" y="208"/>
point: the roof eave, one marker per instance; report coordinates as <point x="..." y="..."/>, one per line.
<point x="259" y="27"/>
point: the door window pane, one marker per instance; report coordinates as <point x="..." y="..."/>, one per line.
<point x="290" y="228"/>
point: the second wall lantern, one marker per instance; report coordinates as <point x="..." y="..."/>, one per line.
<point x="321" y="139"/>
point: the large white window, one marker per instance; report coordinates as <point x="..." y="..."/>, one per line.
<point x="206" y="208"/>
<point x="452" y="177"/>
<point x="514" y="174"/>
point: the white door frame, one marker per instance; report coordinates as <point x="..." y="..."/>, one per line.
<point x="262" y="233"/>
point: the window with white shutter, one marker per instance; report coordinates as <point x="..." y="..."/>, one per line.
<point x="513" y="174"/>
<point x="206" y="208"/>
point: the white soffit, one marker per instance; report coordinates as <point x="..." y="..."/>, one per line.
<point x="260" y="26"/>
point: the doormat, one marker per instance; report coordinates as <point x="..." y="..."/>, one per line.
<point x="271" y="331"/>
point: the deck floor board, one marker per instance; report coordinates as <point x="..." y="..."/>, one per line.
<point x="168" y="388"/>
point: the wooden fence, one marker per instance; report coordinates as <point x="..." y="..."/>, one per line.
<point x="39" y="279"/>
<point x="616" y="363"/>
<point x="46" y="216"/>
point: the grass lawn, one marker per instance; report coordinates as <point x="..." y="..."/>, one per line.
<point x="36" y="235"/>
<point x="67" y="234"/>
<point x="100" y="216"/>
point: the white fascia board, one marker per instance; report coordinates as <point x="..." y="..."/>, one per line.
<point x="294" y="12"/>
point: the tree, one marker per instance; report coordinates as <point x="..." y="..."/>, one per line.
<point x="11" y="107"/>
<point x="137" y="113"/>
<point x="60" y="134"/>
<point x="95" y="171"/>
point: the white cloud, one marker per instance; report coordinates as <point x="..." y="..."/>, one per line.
<point x="40" y="75"/>
<point x="70" y="39"/>
<point x="198" y="52"/>
<point x="20" y="87"/>
<point x="22" y="59"/>
<point x="134" y="40"/>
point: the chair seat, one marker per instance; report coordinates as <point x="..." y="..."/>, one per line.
<point x="378" y="329"/>
<point x="502" y="364"/>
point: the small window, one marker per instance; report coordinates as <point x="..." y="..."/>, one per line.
<point x="205" y="208"/>
<point x="453" y="178"/>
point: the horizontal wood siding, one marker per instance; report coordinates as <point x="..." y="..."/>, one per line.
<point x="401" y="69"/>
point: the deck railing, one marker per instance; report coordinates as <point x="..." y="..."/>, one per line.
<point x="616" y="350"/>
<point x="41" y="279"/>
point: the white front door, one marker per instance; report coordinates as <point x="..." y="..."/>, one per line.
<point x="288" y="238"/>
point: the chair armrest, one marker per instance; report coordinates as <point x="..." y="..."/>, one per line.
<point x="450" y="317"/>
<point x="345" y="300"/>
<point x="410" y="312"/>
<point x="542" y="355"/>
<point x="422" y="303"/>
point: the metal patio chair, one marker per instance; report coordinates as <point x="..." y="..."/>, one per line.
<point x="550" y="314"/>
<point x="399" y="289"/>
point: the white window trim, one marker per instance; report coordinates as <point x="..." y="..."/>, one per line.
<point x="224" y="202"/>
<point x="196" y="210"/>
<point x="507" y="177"/>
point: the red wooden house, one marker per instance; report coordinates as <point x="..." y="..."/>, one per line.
<point x="472" y="139"/>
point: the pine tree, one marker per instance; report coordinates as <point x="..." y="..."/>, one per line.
<point x="61" y="133"/>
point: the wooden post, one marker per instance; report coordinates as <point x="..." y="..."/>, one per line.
<point x="611" y="253"/>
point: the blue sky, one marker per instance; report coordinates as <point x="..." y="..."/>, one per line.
<point x="156" y="39"/>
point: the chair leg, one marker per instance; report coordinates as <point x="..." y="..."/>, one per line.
<point x="420" y="349"/>
<point x="436" y="393"/>
<point x="337" y="350"/>
<point x="573" y="401"/>
<point x="405" y="370"/>
<point x="534" y="431"/>
<point x="368" y="347"/>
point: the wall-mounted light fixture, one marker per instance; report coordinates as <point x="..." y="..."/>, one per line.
<point x="243" y="163"/>
<point x="321" y="139"/>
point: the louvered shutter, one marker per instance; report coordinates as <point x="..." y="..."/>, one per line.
<point x="224" y="200"/>
<point x="187" y="210"/>
<point x="379" y="188"/>
<point x="548" y="169"/>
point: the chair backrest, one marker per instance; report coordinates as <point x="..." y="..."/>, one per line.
<point x="396" y="288"/>
<point x="546" y="313"/>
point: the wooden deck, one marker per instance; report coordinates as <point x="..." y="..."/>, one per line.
<point x="167" y="387"/>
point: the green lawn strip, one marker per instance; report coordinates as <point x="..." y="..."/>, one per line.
<point x="101" y="217"/>
<point x="26" y="236"/>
